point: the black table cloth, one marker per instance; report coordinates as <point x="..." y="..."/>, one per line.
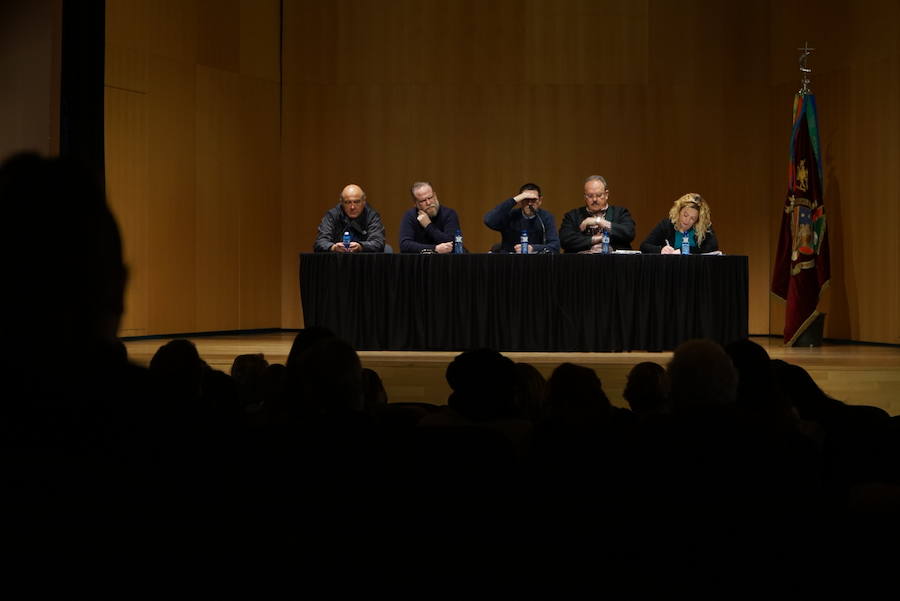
<point x="542" y="302"/>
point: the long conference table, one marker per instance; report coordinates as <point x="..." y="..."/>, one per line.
<point x="541" y="302"/>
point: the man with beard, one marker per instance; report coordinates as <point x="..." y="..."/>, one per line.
<point x="520" y="213"/>
<point x="353" y="216"/>
<point x="427" y="226"/>
<point x="582" y="228"/>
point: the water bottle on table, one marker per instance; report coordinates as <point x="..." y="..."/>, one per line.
<point x="523" y="242"/>
<point x="347" y="240"/>
<point x="458" y="243"/>
<point x="685" y="244"/>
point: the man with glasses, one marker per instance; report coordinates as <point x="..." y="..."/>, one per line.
<point x="582" y="228"/>
<point x="520" y="213"/>
<point x="427" y="226"/>
<point x="361" y="223"/>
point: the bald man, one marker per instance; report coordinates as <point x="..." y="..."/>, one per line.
<point x="354" y="216"/>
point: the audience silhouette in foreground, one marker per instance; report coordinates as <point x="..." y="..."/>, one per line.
<point x="719" y="441"/>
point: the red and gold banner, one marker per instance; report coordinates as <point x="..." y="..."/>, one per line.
<point x="802" y="266"/>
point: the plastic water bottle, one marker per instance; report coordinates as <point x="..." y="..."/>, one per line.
<point x="347" y="240"/>
<point x="685" y="244"/>
<point x="457" y="243"/>
<point x="523" y="242"/>
<point x="604" y="239"/>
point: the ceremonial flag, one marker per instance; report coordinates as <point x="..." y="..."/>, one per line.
<point x="802" y="266"/>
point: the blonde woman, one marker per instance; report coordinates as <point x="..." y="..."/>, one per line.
<point x="688" y="218"/>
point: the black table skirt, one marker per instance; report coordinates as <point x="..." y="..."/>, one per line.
<point x="538" y="302"/>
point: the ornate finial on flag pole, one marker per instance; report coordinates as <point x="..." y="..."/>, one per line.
<point x="804" y="70"/>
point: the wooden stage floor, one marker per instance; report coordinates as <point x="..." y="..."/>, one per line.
<point x="854" y="373"/>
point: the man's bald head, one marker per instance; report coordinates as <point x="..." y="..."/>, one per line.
<point x="353" y="200"/>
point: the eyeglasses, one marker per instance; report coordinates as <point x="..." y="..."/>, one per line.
<point x="597" y="196"/>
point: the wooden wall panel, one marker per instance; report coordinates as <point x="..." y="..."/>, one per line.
<point x="128" y="26"/>
<point x="172" y="27"/>
<point x="205" y="176"/>
<point x="127" y="136"/>
<point x="127" y="68"/>
<point x="219" y="34"/>
<point x="128" y="189"/>
<point x="127" y="42"/>
<point x="219" y="165"/>
<point x="583" y="41"/>
<point x="868" y="166"/>
<point x="260" y="39"/>
<point x="172" y="219"/>
<point x="260" y="204"/>
<point x="299" y="204"/>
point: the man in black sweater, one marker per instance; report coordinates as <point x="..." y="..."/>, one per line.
<point x="582" y="228"/>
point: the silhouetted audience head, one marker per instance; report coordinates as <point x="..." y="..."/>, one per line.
<point x="271" y="395"/>
<point x="79" y="421"/>
<point x="531" y="398"/>
<point x="120" y="350"/>
<point x="757" y="394"/>
<point x="647" y="389"/>
<point x="754" y="370"/>
<point x="576" y="391"/>
<point x="484" y="385"/>
<point x="303" y="341"/>
<point x="273" y="381"/>
<point x="328" y="378"/>
<point x="701" y="375"/>
<point x="374" y="394"/>
<point x="178" y="369"/>
<point x="810" y="401"/>
<point x="68" y="279"/>
<point x="813" y="404"/>
<point x="248" y="371"/>
<point x="248" y="367"/>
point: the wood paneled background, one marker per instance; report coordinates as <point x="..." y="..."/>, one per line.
<point x="232" y="127"/>
<point x="193" y="99"/>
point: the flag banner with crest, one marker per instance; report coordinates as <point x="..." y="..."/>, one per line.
<point x="802" y="266"/>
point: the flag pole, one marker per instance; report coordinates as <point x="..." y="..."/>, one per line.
<point x="811" y="331"/>
<point x="804" y="70"/>
<point x="802" y="264"/>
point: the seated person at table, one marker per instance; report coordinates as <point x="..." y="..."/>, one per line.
<point x="582" y="228"/>
<point x="689" y="217"/>
<point x="351" y="215"/>
<point x="427" y="226"/>
<point x="520" y="213"/>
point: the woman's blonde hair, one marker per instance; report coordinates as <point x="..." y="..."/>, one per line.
<point x="694" y="201"/>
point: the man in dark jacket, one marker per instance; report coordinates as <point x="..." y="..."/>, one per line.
<point x="353" y="216"/>
<point x="523" y="213"/>
<point x="582" y="228"/>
